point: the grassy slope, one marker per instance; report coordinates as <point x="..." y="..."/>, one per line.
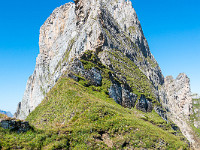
<point x="135" y="78"/>
<point x="89" y="119"/>
<point x="80" y="117"/>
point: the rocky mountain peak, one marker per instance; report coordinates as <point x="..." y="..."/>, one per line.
<point x="72" y="29"/>
<point x="85" y="39"/>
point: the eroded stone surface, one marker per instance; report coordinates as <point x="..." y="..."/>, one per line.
<point x="55" y="41"/>
<point x="195" y="118"/>
<point x="101" y="26"/>
<point x="86" y="25"/>
<point x="177" y="99"/>
<point x="122" y="93"/>
<point x="144" y="104"/>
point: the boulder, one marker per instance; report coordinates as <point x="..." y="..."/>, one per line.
<point x="15" y="125"/>
<point x="144" y="104"/>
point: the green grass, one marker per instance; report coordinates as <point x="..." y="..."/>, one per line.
<point x="81" y="118"/>
<point x="194" y="116"/>
<point x="131" y="29"/>
<point x="74" y="115"/>
<point x="33" y="139"/>
<point x="85" y="116"/>
<point x="153" y="64"/>
<point x="135" y="77"/>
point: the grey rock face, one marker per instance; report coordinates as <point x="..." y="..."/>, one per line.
<point x="87" y="25"/>
<point x="195" y="118"/>
<point x="161" y="112"/>
<point x="176" y="98"/>
<point x="121" y="93"/>
<point x="55" y="43"/>
<point x="179" y="100"/>
<point x="144" y="104"/>
<point x="14" y="125"/>
<point x="93" y="75"/>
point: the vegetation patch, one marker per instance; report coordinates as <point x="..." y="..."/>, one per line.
<point x="153" y="64"/>
<point x="76" y="116"/>
<point x="135" y="78"/>
<point x="194" y="116"/>
<point x="92" y="120"/>
<point x="131" y="29"/>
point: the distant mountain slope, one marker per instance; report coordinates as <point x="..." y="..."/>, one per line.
<point x="6" y="113"/>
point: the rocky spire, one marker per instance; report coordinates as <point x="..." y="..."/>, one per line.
<point x="110" y="29"/>
<point x="100" y="26"/>
<point x="178" y="102"/>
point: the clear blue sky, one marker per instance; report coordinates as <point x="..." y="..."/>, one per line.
<point x="172" y="28"/>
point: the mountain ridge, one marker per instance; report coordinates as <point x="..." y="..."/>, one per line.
<point x="53" y="69"/>
<point x="101" y="44"/>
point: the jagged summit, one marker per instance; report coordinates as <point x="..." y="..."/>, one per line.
<point x="101" y="26"/>
<point x="101" y="45"/>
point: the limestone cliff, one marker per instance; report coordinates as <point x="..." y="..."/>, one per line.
<point x="178" y="103"/>
<point x="107" y="34"/>
<point x="101" y="26"/>
<point x="54" y="43"/>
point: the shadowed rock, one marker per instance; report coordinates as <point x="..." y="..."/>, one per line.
<point x="144" y="104"/>
<point x="15" y="125"/>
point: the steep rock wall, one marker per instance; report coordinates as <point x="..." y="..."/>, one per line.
<point x="112" y="30"/>
<point x="178" y="103"/>
<point x="100" y="26"/>
<point x="53" y="43"/>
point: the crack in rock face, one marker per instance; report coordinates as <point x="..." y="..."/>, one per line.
<point x="144" y="104"/>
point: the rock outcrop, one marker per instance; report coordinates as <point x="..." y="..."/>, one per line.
<point x="111" y="30"/>
<point x="179" y="95"/>
<point x="195" y="118"/>
<point x="144" y="104"/>
<point x="15" y="125"/>
<point x="101" y="26"/>
<point x="178" y="102"/>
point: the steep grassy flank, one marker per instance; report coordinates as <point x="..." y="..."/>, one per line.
<point x="122" y="66"/>
<point x="135" y="78"/>
<point x="77" y="115"/>
<point x="91" y="120"/>
<point x="194" y="117"/>
<point x="34" y="139"/>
